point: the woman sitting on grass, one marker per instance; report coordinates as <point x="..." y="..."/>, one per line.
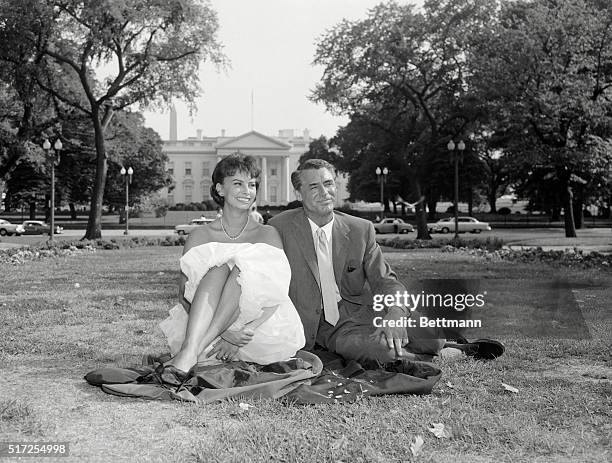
<point x="234" y="284"/>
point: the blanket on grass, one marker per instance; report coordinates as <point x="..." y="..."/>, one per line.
<point x="305" y="379"/>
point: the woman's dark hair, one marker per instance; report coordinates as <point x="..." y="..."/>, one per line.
<point x="229" y="165"/>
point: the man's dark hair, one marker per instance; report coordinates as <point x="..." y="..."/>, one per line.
<point x="229" y="165"/>
<point x="310" y="164"/>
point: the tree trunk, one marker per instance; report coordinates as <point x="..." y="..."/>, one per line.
<point x="578" y="211"/>
<point x="556" y="214"/>
<point x="32" y="210"/>
<point x="607" y="211"/>
<point x="568" y="213"/>
<point x="421" y="215"/>
<point x="470" y="202"/>
<point x="94" y="223"/>
<point x="491" y="197"/>
<point x="73" y="212"/>
<point x="431" y="205"/>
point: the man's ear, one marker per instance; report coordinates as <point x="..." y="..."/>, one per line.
<point x="298" y="195"/>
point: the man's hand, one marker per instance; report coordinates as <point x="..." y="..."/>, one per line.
<point x="239" y="338"/>
<point x="392" y="338"/>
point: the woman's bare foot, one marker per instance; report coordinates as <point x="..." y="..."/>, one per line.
<point x="183" y="360"/>
<point x="224" y="350"/>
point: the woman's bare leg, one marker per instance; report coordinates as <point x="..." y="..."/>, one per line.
<point x="213" y="309"/>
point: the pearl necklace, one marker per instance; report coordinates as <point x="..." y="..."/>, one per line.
<point x="235" y="237"/>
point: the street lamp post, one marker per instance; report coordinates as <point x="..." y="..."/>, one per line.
<point x="55" y="159"/>
<point x="460" y="147"/>
<point x="382" y="178"/>
<point x="128" y="179"/>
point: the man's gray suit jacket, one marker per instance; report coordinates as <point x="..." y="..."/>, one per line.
<point x="359" y="267"/>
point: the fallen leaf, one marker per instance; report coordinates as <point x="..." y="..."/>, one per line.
<point x="244" y="406"/>
<point x="509" y="388"/>
<point x="339" y="443"/>
<point x="449" y="384"/>
<point x="415" y="447"/>
<point x="76" y="285"/>
<point x="439" y="430"/>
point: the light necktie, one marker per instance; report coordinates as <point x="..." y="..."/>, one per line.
<point x="326" y="276"/>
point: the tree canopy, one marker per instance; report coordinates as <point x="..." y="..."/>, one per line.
<point x="150" y="49"/>
<point x="404" y="72"/>
<point x="523" y="83"/>
<point x="544" y="75"/>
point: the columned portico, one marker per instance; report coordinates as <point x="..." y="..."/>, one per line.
<point x="263" y="187"/>
<point x="191" y="163"/>
<point x="286" y="180"/>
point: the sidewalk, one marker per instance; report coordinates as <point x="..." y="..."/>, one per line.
<point x="10" y="245"/>
<point x="590" y="240"/>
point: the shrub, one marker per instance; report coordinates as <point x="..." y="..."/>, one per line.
<point x="210" y="205"/>
<point x="490" y="244"/>
<point x="161" y="210"/>
<point x="504" y="211"/>
<point x="67" y="248"/>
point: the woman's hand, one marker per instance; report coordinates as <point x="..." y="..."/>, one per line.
<point x="238" y="338"/>
<point x="224" y="351"/>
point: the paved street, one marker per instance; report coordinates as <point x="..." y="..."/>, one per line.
<point x="601" y="237"/>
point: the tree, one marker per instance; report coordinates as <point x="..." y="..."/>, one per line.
<point x="496" y="165"/>
<point x="320" y="149"/>
<point x="133" y="145"/>
<point x="545" y="73"/>
<point x="155" y="47"/>
<point x="364" y="146"/>
<point x="405" y="73"/>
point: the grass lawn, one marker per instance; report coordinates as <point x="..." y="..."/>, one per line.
<point x="64" y="317"/>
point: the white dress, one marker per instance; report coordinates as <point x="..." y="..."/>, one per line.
<point x="264" y="281"/>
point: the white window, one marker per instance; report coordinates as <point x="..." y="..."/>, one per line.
<point x="188" y="168"/>
<point x="273" y="194"/>
<point x="188" y="194"/>
<point x="205" y="185"/>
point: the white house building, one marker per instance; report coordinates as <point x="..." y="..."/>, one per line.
<point x="191" y="163"/>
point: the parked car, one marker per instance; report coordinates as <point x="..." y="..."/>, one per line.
<point x="466" y="224"/>
<point x="8" y="228"/>
<point x="38" y="227"/>
<point x="393" y="226"/>
<point x="185" y="229"/>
